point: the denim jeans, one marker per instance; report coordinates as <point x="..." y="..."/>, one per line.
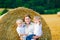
<point x="29" y="37"/>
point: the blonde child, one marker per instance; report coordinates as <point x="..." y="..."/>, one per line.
<point x="37" y="27"/>
<point x="20" y="29"/>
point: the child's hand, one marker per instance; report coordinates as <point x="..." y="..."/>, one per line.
<point x="35" y="37"/>
<point x="24" y="34"/>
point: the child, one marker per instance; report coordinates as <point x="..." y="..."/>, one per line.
<point x="21" y="29"/>
<point x="37" y="27"/>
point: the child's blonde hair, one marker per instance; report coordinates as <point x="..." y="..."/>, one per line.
<point x="19" y="20"/>
<point x="37" y="17"/>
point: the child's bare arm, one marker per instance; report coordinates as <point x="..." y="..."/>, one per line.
<point x="35" y="37"/>
<point x="23" y="34"/>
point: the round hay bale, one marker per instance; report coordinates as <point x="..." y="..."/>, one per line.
<point x="58" y="13"/>
<point x="8" y="26"/>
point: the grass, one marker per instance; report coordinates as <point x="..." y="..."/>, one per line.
<point x="0" y="13"/>
<point x="1" y="9"/>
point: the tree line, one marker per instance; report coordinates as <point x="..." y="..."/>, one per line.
<point x="37" y="5"/>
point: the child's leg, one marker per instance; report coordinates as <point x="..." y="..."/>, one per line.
<point x="21" y="38"/>
<point x="33" y="39"/>
<point x="30" y="37"/>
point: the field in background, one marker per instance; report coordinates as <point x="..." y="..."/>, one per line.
<point x="4" y="10"/>
<point x="53" y="22"/>
<point x="1" y="9"/>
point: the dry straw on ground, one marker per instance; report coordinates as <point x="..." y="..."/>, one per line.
<point x="8" y="26"/>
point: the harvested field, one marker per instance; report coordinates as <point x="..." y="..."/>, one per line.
<point x="53" y="21"/>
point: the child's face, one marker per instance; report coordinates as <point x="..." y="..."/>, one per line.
<point x="36" y="20"/>
<point x="27" y="20"/>
<point x="19" y="23"/>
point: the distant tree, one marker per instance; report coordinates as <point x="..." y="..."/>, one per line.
<point x="2" y="3"/>
<point x="37" y="5"/>
<point x="57" y="3"/>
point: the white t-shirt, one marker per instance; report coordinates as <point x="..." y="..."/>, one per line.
<point x="21" y="30"/>
<point x="38" y="29"/>
<point x="29" y="29"/>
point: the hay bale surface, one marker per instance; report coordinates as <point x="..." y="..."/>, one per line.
<point x="58" y="13"/>
<point x="8" y="25"/>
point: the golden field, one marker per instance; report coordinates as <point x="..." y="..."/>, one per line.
<point x="8" y="26"/>
<point x="53" y="21"/>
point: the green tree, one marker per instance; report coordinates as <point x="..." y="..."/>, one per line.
<point x="37" y="5"/>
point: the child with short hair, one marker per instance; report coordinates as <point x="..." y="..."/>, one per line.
<point x="37" y="27"/>
<point x="21" y="29"/>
